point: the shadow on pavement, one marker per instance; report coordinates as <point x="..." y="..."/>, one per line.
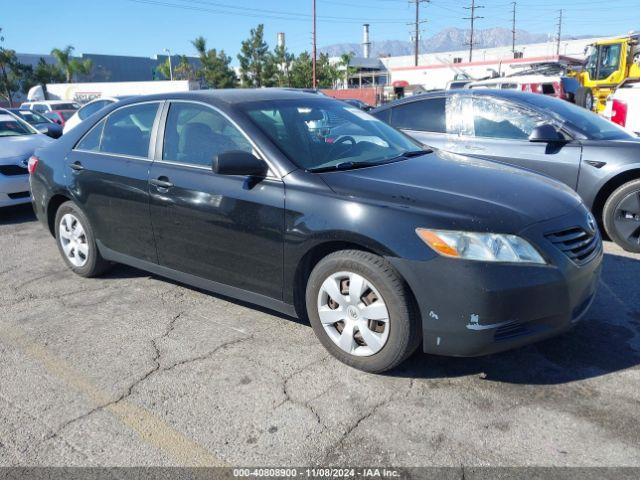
<point x="606" y="341"/>
<point x="16" y="215"/>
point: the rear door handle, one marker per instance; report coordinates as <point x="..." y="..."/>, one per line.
<point x="161" y="182"/>
<point x="77" y="166"/>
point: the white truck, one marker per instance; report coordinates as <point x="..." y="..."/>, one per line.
<point x="85" y="92"/>
<point x="623" y="107"/>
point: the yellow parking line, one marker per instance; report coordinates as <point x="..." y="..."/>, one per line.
<point x="151" y="429"/>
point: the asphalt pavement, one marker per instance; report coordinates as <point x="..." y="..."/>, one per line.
<point x="133" y="369"/>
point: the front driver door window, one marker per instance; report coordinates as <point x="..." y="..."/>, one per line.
<point x="223" y="228"/>
<point x="500" y="129"/>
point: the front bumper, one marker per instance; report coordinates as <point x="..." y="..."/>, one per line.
<point x="476" y="308"/>
<point x="14" y="190"/>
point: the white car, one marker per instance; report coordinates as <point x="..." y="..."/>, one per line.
<point x="89" y="109"/>
<point x="45" y="106"/>
<point x="18" y="141"/>
<point x="623" y="107"/>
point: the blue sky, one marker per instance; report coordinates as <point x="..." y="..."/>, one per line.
<point x="147" y="27"/>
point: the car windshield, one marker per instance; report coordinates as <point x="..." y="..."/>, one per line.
<point x="33" y="118"/>
<point x="326" y="134"/>
<point x="588" y="123"/>
<point x="11" y="126"/>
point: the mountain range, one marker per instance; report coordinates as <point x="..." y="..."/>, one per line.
<point x="447" y="40"/>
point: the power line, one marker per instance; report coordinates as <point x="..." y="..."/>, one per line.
<point x="473" y="18"/>
<point x="417" y="29"/>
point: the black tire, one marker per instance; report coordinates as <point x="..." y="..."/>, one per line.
<point x="95" y="265"/>
<point x="623" y="203"/>
<point x="404" y="323"/>
<point x="584" y="98"/>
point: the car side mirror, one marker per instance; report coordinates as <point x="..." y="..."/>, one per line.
<point x="237" y="162"/>
<point x="546" y="133"/>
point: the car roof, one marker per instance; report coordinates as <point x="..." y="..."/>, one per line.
<point x="514" y="95"/>
<point x="231" y="96"/>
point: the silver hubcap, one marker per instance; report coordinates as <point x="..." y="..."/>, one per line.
<point x="353" y="314"/>
<point x="73" y="240"/>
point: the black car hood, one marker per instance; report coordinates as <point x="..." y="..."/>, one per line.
<point x="456" y="191"/>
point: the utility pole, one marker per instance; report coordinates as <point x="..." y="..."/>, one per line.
<point x="513" y="30"/>
<point x="559" y="32"/>
<point x="416" y="24"/>
<point x="473" y="18"/>
<point x="314" y="46"/>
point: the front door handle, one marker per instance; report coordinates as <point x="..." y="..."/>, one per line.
<point x="161" y="182"/>
<point x="77" y="166"/>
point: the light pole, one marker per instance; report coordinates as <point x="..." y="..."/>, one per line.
<point x="170" y="66"/>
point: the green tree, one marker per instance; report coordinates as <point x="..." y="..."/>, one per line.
<point x="182" y="71"/>
<point x="302" y="71"/>
<point x="215" y="70"/>
<point x="256" y="64"/>
<point x="282" y="61"/>
<point x="327" y="74"/>
<point x="71" y="66"/>
<point x="345" y="62"/>
<point x="9" y="79"/>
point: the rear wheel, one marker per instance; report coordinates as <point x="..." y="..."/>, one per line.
<point x="361" y="311"/>
<point x="621" y="216"/>
<point x="76" y="242"/>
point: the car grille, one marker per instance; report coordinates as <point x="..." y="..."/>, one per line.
<point x="13" y="170"/>
<point x="576" y="243"/>
<point x="509" y="331"/>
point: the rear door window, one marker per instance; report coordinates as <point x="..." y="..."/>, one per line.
<point x="128" y="130"/>
<point x="424" y="116"/>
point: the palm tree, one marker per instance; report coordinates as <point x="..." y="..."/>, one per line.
<point x="345" y="61"/>
<point x="63" y="58"/>
<point x="71" y="66"/>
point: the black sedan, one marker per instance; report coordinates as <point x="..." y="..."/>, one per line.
<point x="39" y="121"/>
<point x="305" y="205"/>
<point x="593" y="156"/>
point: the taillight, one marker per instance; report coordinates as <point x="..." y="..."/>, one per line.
<point x="33" y="164"/>
<point x="619" y="112"/>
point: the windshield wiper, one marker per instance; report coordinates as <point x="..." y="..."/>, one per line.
<point x="342" y="166"/>
<point x="415" y="153"/>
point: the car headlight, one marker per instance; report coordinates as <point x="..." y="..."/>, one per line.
<point x="486" y="247"/>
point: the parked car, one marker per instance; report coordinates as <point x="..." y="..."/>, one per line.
<point x="39" y="121"/>
<point x="381" y="244"/>
<point x="18" y="141"/>
<point x="89" y="109"/>
<point x="598" y="159"/>
<point x="59" y="116"/>
<point x="623" y="107"/>
<point x="354" y="102"/>
<point x="558" y="86"/>
<point x="44" y="106"/>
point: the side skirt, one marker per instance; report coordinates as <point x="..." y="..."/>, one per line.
<point x="198" y="282"/>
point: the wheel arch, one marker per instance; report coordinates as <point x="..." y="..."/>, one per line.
<point x="609" y="187"/>
<point x="320" y="250"/>
<point x="52" y="208"/>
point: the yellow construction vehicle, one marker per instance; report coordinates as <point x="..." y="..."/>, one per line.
<point x="609" y="63"/>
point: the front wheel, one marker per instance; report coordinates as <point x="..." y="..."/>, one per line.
<point x="621" y="216"/>
<point x="76" y="242"/>
<point x="362" y="311"/>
